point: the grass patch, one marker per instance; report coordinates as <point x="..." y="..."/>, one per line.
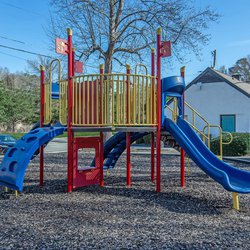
<point x="15" y="135"/>
<point x="78" y="134"/>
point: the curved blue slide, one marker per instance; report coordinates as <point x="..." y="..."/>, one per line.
<point x="17" y="158"/>
<point x="114" y="154"/>
<point x="231" y="178"/>
<point x="115" y="146"/>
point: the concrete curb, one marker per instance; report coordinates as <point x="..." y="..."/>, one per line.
<point x="240" y="160"/>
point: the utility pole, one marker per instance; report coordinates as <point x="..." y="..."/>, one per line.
<point x="214" y="58"/>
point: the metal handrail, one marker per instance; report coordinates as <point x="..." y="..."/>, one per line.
<point x="59" y="69"/>
<point x="195" y="112"/>
<point x="48" y="91"/>
<point x="231" y="138"/>
<point x="141" y="65"/>
<point x="208" y="126"/>
<point x="47" y="103"/>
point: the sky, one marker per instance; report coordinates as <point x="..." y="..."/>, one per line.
<point x="23" y="26"/>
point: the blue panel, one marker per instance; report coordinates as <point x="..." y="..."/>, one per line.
<point x="231" y="178"/>
<point x="173" y="85"/>
<point x="16" y="159"/>
<point x="55" y="90"/>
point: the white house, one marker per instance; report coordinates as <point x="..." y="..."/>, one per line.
<point x="222" y="99"/>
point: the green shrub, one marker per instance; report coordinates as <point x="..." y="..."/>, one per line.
<point x="238" y="147"/>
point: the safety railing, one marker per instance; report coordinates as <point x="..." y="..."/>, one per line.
<point x="205" y="133"/>
<point x="206" y="137"/>
<point x="111" y="100"/>
<point x="63" y="101"/>
<point x="47" y="103"/>
<point x="48" y="90"/>
<point x="208" y="127"/>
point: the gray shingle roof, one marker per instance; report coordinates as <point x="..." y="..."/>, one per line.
<point x="212" y="75"/>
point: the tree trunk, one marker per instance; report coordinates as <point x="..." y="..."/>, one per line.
<point x="107" y="70"/>
<point x="13" y="127"/>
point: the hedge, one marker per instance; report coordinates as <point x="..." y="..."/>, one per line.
<point x="238" y="147"/>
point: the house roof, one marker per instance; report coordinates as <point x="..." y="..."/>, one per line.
<point x="211" y="75"/>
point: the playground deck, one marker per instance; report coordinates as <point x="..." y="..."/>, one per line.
<point x="115" y="217"/>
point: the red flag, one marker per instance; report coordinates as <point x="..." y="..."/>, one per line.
<point x="166" y="49"/>
<point x="61" y="46"/>
<point x="78" y="67"/>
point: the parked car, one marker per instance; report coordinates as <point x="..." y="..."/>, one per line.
<point x="6" y="141"/>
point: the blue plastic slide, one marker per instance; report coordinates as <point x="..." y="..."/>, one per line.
<point x="16" y="159"/>
<point x="231" y="178"/>
<point x="114" y="154"/>
<point x="115" y="146"/>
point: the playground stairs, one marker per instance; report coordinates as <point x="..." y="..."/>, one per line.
<point x="169" y="140"/>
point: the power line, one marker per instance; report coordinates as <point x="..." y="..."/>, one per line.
<point x="13" y="40"/>
<point x="24" y="51"/>
<point x="20" y="8"/>
<point x="21" y="58"/>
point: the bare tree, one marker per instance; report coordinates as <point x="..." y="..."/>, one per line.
<point x="121" y="30"/>
<point x="34" y="65"/>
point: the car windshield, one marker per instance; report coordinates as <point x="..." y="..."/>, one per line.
<point x="7" y="138"/>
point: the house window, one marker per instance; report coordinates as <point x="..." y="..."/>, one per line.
<point x="227" y="123"/>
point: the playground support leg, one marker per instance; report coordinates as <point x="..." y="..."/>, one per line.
<point x="159" y="113"/>
<point x="182" y="168"/>
<point x="189" y="166"/>
<point x="41" y="165"/>
<point x="128" y="159"/>
<point x="70" y="110"/>
<point x="152" y="157"/>
<point x="42" y="112"/>
<point x="101" y="134"/>
<point x="182" y="71"/>
<point x="158" y="162"/>
<point x="70" y="161"/>
<point x="101" y="160"/>
<point x="236" y="204"/>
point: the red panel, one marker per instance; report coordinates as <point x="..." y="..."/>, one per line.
<point x="166" y="49"/>
<point x="78" y="67"/>
<point x="61" y="46"/>
<point x="82" y="178"/>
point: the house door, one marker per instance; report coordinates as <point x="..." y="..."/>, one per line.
<point x="227" y="123"/>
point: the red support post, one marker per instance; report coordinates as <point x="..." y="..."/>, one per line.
<point x="70" y="107"/>
<point x="42" y="102"/>
<point x="158" y="136"/>
<point x="73" y="61"/>
<point x="101" y="179"/>
<point x="182" y="150"/>
<point x="128" y="139"/>
<point x="153" y="117"/>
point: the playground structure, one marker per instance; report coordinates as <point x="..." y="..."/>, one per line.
<point x="130" y="104"/>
